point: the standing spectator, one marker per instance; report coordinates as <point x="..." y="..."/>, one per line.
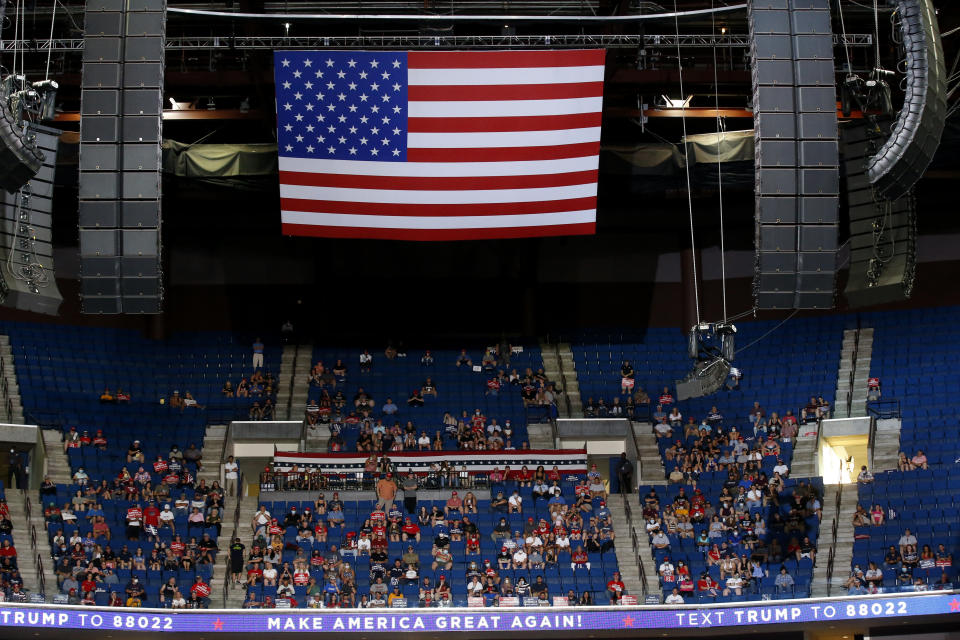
<point x="230" y="475"/>
<point x="386" y="492"/>
<point x="257" y="354"/>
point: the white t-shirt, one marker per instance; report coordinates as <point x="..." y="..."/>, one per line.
<point x="515" y="500"/>
<point x="674" y="599"/>
<point x="230" y="470"/>
<point x="270" y="574"/>
<point x="166" y="515"/>
<point x="262" y="517"/>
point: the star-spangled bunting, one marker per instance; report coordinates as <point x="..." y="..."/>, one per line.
<point x="342" y="105"/>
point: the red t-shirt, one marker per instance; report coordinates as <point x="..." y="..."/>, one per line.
<point x="178" y="547"/>
<point x="200" y="590"/>
<point x="615" y="585"/>
<point x="151" y="515"/>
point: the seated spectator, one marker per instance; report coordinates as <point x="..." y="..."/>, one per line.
<point x="107" y="397"/>
<point x="674" y="597"/>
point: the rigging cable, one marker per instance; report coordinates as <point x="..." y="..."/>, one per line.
<point x="53" y="17"/>
<point x="846" y="43"/>
<point x="720" y="129"/>
<point x="683" y="117"/>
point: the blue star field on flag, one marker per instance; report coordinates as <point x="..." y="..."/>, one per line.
<point x="342" y="105"/>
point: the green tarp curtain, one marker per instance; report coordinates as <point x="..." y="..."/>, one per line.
<point x="219" y="160"/>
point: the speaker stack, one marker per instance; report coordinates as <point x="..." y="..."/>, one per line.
<point x="797" y="174"/>
<point x="120" y="158"/>
<point x="882" y="232"/>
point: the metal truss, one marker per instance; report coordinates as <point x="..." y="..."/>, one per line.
<point x="400" y="41"/>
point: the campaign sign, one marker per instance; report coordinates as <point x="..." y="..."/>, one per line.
<point x="488" y="620"/>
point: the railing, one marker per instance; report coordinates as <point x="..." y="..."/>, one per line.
<point x="834" y="528"/>
<point x="563" y="380"/>
<point x="5" y="387"/>
<point x="233" y="536"/>
<point x="293" y="382"/>
<point x="555" y="432"/>
<point x="883" y="409"/>
<point x="853" y="369"/>
<point x="223" y="454"/>
<point x="635" y="542"/>
<point x="42" y="581"/>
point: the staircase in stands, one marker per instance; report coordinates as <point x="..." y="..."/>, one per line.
<point x="558" y="366"/>
<point x="854" y="372"/>
<point x="11" y="391"/>
<point x="212" y="450"/>
<point x="841" y="545"/>
<point x="22" y="540"/>
<point x="236" y="594"/>
<point x="628" y="556"/>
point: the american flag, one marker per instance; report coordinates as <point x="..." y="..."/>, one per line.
<point x="439" y="145"/>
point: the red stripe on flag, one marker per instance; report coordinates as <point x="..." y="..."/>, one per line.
<point x="505" y="91"/>
<point x="500" y="154"/>
<point x="373" y="233"/>
<point x="505" y="123"/>
<point x="504" y="59"/>
<point x="428" y="183"/>
<point x="437" y="210"/>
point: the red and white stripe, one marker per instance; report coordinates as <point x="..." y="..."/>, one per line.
<point x="500" y="144"/>
<point x="571" y="461"/>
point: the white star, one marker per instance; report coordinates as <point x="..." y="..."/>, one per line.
<point x="396" y="152"/>
<point x="396" y="86"/>
<point x="296" y="74"/>
<point x="375" y="109"/>
<point x="341" y="74"/>
<point x="353" y="129"/>
<point x="320" y="96"/>
<point x="386" y="97"/>
<point x="287" y="106"/>
<point x="286" y="85"/>
<point x="375" y="130"/>
<point x="309" y="148"/>
<point x="299" y="117"/>
<point x="385" y="75"/>
<point x="285" y="62"/>
<point x="385" y="141"/>
<point x="307" y="62"/>
<point x="352" y="85"/>
<point x="329" y="62"/>
<point x="289" y="148"/>
<point x="396" y="64"/>
<point x="297" y="95"/>
<point x="363" y="97"/>
<point x="385" y="120"/>
<point x="330" y="86"/>
<point x="331" y="150"/>
<point x="352" y="63"/>
<point x="375" y="86"/>
<point x="309" y="85"/>
<point x="318" y="73"/>
<point x="331" y="128"/>
<point x="353" y="151"/>
<point x="309" y="106"/>
<point x="353" y="108"/>
<point x="374" y="63"/>
<point x="363" y="141"/>
<point x="309" y="128"/>
<point x="396" y="131"/>
<point x="331" y="107"/>
<point x="396" y="109"/>
<point x="342" y="139"/>
<point x="341" y="97"/>
<point x="363" y="75"/>
<point x="288" y="127"/>
<point x="320" y="138"/>
<point x="320" y="118"/>
<point x="363" y="119"/>
<point x="299" y="138"/>
<point x="374" y="151"/>
<point x="342" y="118"/>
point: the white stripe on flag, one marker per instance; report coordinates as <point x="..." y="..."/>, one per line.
<point x="503" y="108"/>
<point x="401" y="196"/>
<point x="440" y="169"/>
<point x="484" y="139"/>
<point x="438" y="222"/>
<point x="522" y="76"/>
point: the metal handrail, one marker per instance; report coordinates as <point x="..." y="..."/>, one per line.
<point x="853" y="369"/>
<point x="38" y="565"/>
<point x="555" y="432"/>
<point x="834" y="529"/>
<point x="223" y="454"/>
<point x="563" y="379"/>
<point x="875" y="408"/>
<point x="293" y="380"/>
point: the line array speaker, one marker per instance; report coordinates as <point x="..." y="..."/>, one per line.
<point x="120" y="156"/>
<point x="25" y="221"/>
<point x="20" y="159"/>
<point x="797" y="174"/>
<point x="883" y="237"/>
<point x="915" y="135"/>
